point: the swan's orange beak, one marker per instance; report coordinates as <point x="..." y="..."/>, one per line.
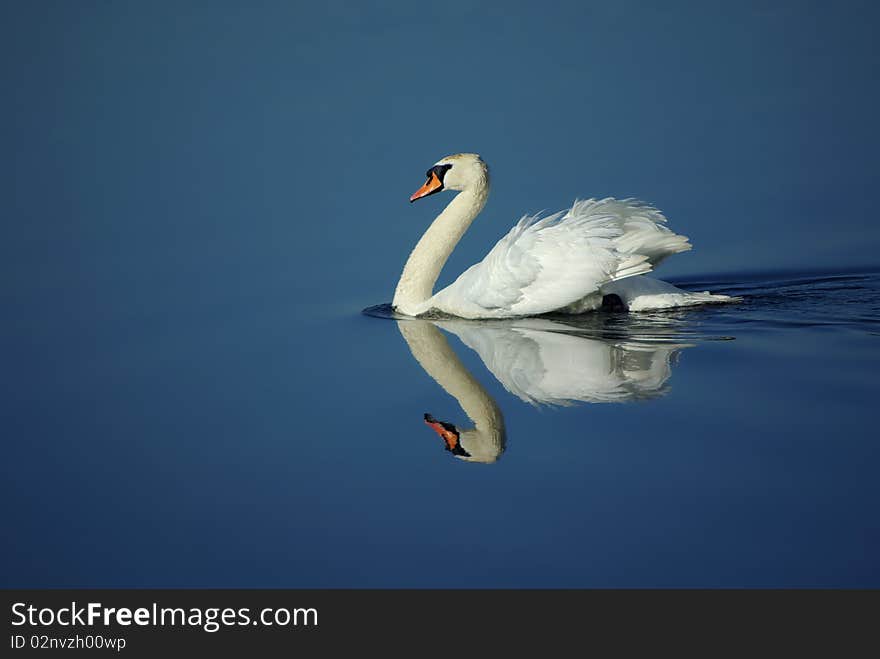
<point x="447" y="432"/>
<point x="432" y="185"/>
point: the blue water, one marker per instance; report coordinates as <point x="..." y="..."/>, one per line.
<point x="253" y="444"/>
<point x="198" y="200"/>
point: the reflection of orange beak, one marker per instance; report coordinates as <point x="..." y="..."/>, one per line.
<point x="432" y="185"/>
<point x="450" y="437"/>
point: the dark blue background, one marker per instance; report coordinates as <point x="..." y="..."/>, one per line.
<point x="197" y="199"/>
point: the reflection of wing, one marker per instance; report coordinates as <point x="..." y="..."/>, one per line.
<point x="540" y="364"/>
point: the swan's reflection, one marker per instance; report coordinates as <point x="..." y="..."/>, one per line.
<point x="542" y="362"/>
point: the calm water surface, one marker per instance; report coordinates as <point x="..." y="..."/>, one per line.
<point x="255" y="444"/>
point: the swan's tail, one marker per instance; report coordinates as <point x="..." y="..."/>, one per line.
<point x="684" y="299"/>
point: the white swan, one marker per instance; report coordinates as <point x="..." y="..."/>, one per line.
<point x="566" y="262"/>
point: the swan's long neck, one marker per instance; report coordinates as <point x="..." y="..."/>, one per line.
<point x="416" y="285"/>
<point x="434" y="354"/>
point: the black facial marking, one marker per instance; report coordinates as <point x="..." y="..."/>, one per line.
<point x="457" y="449"/>
<point x="449" y="427"/>
<point x="440" y="171"/>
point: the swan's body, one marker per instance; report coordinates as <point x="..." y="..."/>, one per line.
<point x="566" y="262"/>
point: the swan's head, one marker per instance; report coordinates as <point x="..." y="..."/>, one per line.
<point x="461" y="171"/>
<point x="471" y="445"/>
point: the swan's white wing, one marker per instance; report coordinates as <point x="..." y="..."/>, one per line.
<point x="545" y="264"/>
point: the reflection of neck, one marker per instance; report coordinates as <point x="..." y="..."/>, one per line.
<point x="430" y="254"/>
<point x="433" y="353"/>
